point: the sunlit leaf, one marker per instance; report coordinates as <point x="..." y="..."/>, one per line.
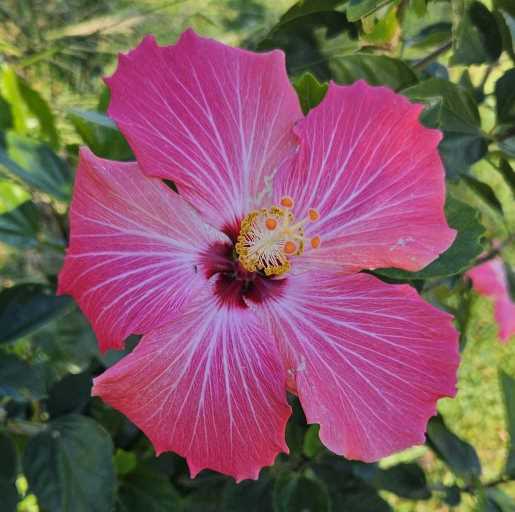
<point x="310" y="91"/>
<point x="459" y="455"/>
<point x="37" y="166"/>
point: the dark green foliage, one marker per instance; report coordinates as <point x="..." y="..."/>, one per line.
<point x="460" y="456"/>
<point x="293" y="492"/>
<point x="25" y="307"/>
<point x="69" y="466"/>
<point x="454" y="111"/>
<point x="19" y="227"/>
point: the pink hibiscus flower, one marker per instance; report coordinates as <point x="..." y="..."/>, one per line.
<point x="490" y="279"/>
<point x="245" y="283"/>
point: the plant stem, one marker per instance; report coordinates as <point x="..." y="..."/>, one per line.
<point x="422" y="63"/>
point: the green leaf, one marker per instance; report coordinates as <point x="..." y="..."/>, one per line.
<point x="404" y="480"/>
<point x="508" y="390"/>
<point x="31" y="114"/>
<point x="461" y="254"/>
<point x="312" y="34"/>
<point x="249" y="496"/>
<point x="11" y="195"/>
<point x="460" y="456"/>
<point x="477" y="38"/>
<point x="507" y="146"/>
<point x="357" y="9"/>
<point x="362" y="499"/>
<point x="501" y="501"/>
<point x="9" y="496"/>
<point x="101" y="135"/>
<point x="453" y="110"/>
<point x="70" y="394"/>
<point x="484" y="191"/>
<point x="69" y="466"/>
<point x="26" y="307"/>
<point x="9" y="458"/>
<point x="506" y="171"/>
<point x="294" y="492"/>
<point x="374" y="69"/>
<point x="19" y="380"/>
<point x="125" y="462"/>
<point x="145" y="490"/>
<point x="310" y="91"/>
<point x="37" y="165"/>
<point x="312" y="445"/>
<point x="20" y="227"/>
<point x="506" y="24"/>
<point x="505" y="97"/>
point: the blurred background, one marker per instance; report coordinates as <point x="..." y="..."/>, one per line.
<point x="60" y="449"/>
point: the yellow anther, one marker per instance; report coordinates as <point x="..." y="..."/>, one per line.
<point x="270" y="237"/>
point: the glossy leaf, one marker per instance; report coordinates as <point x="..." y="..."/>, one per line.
<point x="58" y="465"/>
<point x="477" y="37"/>
<point x="310" y="91"/>
<point x="293" y="492"/>
<point x="461" y="255"/>
<point x="145" y="490"/>
<point x="374" y="69"/>
<point x="453" y="110"/>
<point x="36" y="165"/>
<point x="508" y="390"/>
<point x="459" y="455"/>
<point x="26" y="307"/>
<point x="19" y="227"/>
<point x="101" y="135"/>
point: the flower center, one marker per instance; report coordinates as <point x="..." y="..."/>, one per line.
<point x="270" y="237"/>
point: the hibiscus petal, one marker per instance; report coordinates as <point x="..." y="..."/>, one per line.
<point x="214" y="119"/>
<point x="374" y="174"/>
<point x="135" y="249"/>
<point x="368" y="360"/>
<point x="490" y="279"/>
<point x="209" y="386"/>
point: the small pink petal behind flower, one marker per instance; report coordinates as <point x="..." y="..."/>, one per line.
<point x="368" y="360"/>
<point x="490" y="279"/>
<point x="214" y="119"/>
<point x="209" y="386"/>
<point x="373" y="173"/>
<point x="133" y="251"/>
